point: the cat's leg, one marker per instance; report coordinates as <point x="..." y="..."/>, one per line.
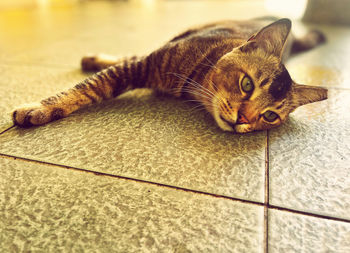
<point x="312" y="39"/>
<point x="111" y="82"/>
<point x="296" y="45"/>
<point x="98" y="62"/>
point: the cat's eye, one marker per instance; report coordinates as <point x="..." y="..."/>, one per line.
<point x="270" y="116"/>
<point x="247" y="84"/>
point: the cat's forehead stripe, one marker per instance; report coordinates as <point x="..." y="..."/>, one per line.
<point x="281" y="105"/>
<point x="280" y="84"/>
<point x="264" y="82"/>
<point x="258" y="74"/>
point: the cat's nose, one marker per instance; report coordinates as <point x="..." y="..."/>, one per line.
<point x="242" y="119"/>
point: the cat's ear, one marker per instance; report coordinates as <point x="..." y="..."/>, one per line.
<point x="305" y="94"/>
<point x="271" y="38"/>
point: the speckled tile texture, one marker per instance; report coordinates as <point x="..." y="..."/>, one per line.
<point x="290" y="232"/>
<point x="171" y="180"/>
<point x="159" y="139"/>
<point x="310" y="158"/>
<point x="60" y="210"/>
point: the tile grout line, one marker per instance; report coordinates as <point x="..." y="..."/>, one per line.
<point x="267" y="195"/>
<point x="182" y="189"/>
<point x="320" y="216"/>
<point x="7" y="129"/>
<point x="268" y="206"/>
<point x="134" y="179"/>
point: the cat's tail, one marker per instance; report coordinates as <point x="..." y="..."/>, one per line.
<point x="128" y="74"/>
<point x="312" y="39"/>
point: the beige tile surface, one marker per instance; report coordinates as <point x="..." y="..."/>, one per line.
<point x="56" y="209"/>
<point x="310" y="158"/>
<point x="38" y="24"/>
<point x="114" y="27"/>
<point x="290" y="232"/>
<point x="159" y="139"/>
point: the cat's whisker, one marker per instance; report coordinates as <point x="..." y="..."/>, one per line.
<point x="202" y="88"/>
<point x="211" y="82"/>
<point x="216" y="105"/>
<point x="199" y="90"/>
<point x="208" y="65"/>
<point x="194" y="91"/>
<point x="218" y="95"/>
<point x="198" y="107"/>
<point x="201" y="96"/>
<point x="196" y="101"/>
<point x="199" y="93"/>
<point x="207" y="100"/>
<point x="184" y="78"/>
<point x="193" y="83"/>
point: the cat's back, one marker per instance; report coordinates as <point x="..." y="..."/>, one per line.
<point x="218" y="32"/>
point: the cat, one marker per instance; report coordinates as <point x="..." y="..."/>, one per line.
<point x="233" y="68"/>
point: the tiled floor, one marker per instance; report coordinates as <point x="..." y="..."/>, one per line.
<point x="144" y="173"/>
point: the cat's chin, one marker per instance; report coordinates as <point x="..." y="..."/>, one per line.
<point x="243" y="128"/>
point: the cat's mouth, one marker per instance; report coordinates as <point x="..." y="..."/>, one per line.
<point x="231" y="124"/>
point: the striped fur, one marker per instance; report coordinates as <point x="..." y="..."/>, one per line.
<point x="207" y="64"/>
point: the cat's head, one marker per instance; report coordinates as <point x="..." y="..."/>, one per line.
<point x="253" y="89"/>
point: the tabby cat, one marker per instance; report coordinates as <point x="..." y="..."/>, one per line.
<point x="233" y="68"/>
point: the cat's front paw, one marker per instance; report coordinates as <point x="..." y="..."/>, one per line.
<point x="35" y="115"/>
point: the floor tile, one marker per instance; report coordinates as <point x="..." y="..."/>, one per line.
<point x="144" y="136"/>
<point x="310" y="158"/>
<point x="290" y="232"/>
<point x="27" y="84"/>
<point x="56" y="209"/>
<point x="114" y="27"/>
<point x="36" y="25"/>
